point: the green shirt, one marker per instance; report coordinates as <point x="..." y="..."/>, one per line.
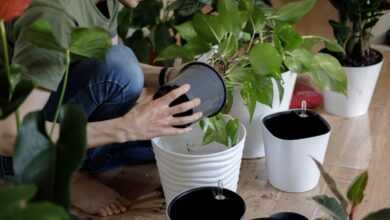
<point x="46" y="68"/>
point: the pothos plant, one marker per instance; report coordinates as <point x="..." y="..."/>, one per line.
<point x="147" y="29"/>
<point x="43" y="167"/>
<point x="353" y="30"/>
<point x="344" y="208"/>
<point x="251" y="45"/>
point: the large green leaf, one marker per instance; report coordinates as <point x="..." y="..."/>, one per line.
<point x="220" y="130"/>
<point x="331" y="45"/>
<point x="21" y="92"/>
<point x="70" y="151"/>
<point x="209" y="28"/>
<point x="162" y="37"/>
<point x="41" y="211"/>
<point x="90" y="42"/>
<point x="331" y="206"/>
<point x="299" y="60"/>
<point x="265" y="59"/>
<point x="40" y="33"/>
<point x="293" y="12"/>
<point x="248" y="95"/>
<point x="186" y="31"/>
<point x="290" y="39"/>
<point x="34" y="159"/>
<point x="264" y="92"/>
<point x="12" y="199"/>
<point x="229" y="16"/>
<point x="326" y="64"/>
<point x="174" y="51"/>
<point x="379" y="215"/>
<point x="331" y="184"/>
<point x="356" y="190"/>
<point x="232" y="131"/>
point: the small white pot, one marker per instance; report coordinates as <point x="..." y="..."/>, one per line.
<point x="183" y="168"/>
<point x="361" y="87"/>
<point x="290" y="142"/>
<point x="254" y="144"/>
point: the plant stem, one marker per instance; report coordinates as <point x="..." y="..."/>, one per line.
<point x="6" y="56"/>
<point x="251" y="43"/>
<point x="351" y="214"/>
<point x="60" y="101"/>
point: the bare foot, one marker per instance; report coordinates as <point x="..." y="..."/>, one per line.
<point x="93" y="197"/>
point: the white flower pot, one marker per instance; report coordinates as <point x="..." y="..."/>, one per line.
<point x="254" y="144"/>
<point x="290" y="142"/>
<point x="181" y="169"/>
<point x="361" y="87"/>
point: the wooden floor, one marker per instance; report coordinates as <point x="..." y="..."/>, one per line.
<point x="356" y="144"/>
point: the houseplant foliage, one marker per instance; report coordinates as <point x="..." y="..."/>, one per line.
<point x="353" y="30"/>
<point x="252" y="44"/>
<point x="344" y="207"/>
<point x="152" y="22"/>
<point x="39" y="160"/>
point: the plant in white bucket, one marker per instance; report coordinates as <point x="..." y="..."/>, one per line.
<point x="258" y="52"/>
<point x="361" y="63"/>
<point x="185" y="162"/>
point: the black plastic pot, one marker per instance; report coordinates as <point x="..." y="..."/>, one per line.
<point x="206" y="84"/>
<point x="201" y="204"/>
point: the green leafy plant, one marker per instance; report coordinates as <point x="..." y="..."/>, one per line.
<point x="46" y="166"/>
<point x="344" y="208"/>
<point x="152" y="25"/>
<point x="252" y="44"/>
<point x="353" y="29"/>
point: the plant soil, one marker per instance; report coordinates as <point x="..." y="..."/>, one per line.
<point x="373" y="58"/>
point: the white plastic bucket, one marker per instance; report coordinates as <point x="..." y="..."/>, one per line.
<point x="361" y="87"/>
<point x="254" y="144"/>
<point x="182" y="170"/>
<point x="289" y="162"/>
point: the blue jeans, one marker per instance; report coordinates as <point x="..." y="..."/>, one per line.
<point x="105" y="90"/>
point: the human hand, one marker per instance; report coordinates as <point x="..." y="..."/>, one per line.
<point x="154" y="119"/>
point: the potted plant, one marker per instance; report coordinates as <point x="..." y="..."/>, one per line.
<point x="361" y="63"/>
<point x="43" y="167"/>
<point x="148" y="29"/>
<point x="258" y="52"/>
<point x="344" y="207"/>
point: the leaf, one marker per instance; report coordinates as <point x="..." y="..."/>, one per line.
<point x="331" y="184"/>
<point x="257" y="20"/>
<point x="265" y="59"/>
<point x="290" y="39"/>
<point x="229" y="16"/>
<point x="174" y="51"/>
<point x="70" y="151"/>
<point x="42" y="210"/>
<point x="90" y="42"/>
<point x="161" y="37"/>
<point x="40" y="34"/>
<point x="229" y="99"/>
<point x="12" y="198"/>
<point x="186" y="31"/>
<point x="331" y="206"/>
<point x="248" y="95"/>
<point x="299" y="60"/>
<point x="232" y="132"/>
<point x="293" y="12"/>
<point x="21" y="92"/>
<point x="209" y="28"/>
<point x="264" y="92"/>
<point x="356" y="190"/>
<point x="331" y="45"/>
<point x="34" y="159"/>
<point x="340" y="31"/>
<point x="327" y="65"/>
<point x="141" y="46"/>
<point x="379" y="215"/>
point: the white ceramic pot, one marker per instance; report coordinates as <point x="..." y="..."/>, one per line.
<point x="184" y="164"/>
<point x="290" y="142"/>
<point x="254" y="144"/>
<point x="361" y="87"/>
